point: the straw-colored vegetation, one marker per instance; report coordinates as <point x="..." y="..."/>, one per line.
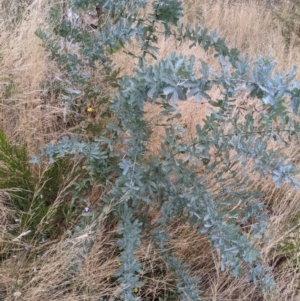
<point x="38" y="257"/>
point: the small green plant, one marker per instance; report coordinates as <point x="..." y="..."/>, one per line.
<point x="10" y="90"/>
<point x="204" y="180"/>
<point x="15" y="172"/>
<point x="287" y="252"/>
<point x="31" y="196"/>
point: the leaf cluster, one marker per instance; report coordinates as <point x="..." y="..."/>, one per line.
<point x="205" y="181"/>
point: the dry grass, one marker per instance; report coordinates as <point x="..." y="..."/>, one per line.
<point x="251" y="27"/>
<point x="47" y="271"/>
<point x="28" y="114"/>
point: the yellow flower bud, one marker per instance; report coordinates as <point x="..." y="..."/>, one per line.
<point x="118" y="262"/>
<point x="90" y="110"/>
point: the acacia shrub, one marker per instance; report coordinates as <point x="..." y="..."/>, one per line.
<point x="229" y="148"/>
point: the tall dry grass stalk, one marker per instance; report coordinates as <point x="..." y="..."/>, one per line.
<point x="28" y="114"/>
<point x="253" y="29"/>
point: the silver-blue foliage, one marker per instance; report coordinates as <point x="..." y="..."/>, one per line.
<point x="228" y="148"/>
